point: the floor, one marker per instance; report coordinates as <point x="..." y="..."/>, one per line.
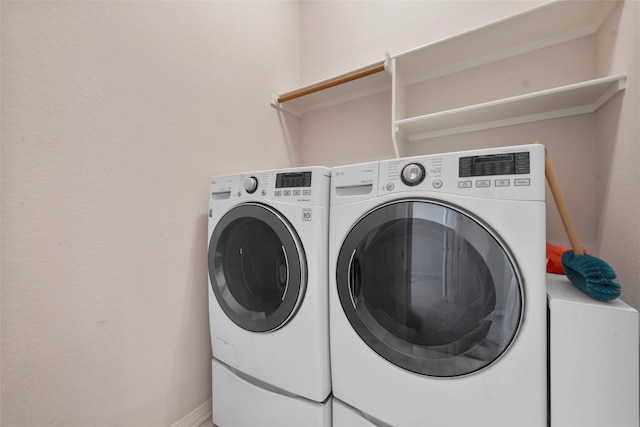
<point x="208" y="423"/>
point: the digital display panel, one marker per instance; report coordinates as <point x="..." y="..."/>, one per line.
<point x="494" y="164"/>
<point x="293" y="179"/>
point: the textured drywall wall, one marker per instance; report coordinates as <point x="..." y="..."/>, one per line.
<point x="114" y="116"/>
<point x="344" y="35"/>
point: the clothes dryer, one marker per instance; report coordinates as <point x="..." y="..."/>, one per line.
<point x="268" y="295"/>
<point x="437" y="288"/>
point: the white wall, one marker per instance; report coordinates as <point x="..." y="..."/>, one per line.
<point x="339" y="36"/>
<point x="114" y="116"/>
<point x="595" y="156"/>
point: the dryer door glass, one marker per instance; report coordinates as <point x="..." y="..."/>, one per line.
<point x="257" y="267"/>
<point x="430" y="288"/>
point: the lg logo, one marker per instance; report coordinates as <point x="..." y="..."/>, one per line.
<point x="306" y="214"/>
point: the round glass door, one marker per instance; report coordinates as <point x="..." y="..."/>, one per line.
<point x="257" y="267"/>
<point x="430" y="288"/>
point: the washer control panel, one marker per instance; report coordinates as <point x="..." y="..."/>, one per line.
<point x="293" y="179"/>
<point x="302" y="186"/>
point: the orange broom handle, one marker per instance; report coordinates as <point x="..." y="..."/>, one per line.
<point x="562" y="207"/>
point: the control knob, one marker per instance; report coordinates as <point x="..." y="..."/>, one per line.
<point x="413" y="174"/>
<point x="251" y="184"/>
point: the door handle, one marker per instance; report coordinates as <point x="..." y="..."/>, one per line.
<point x="355" y="278"/>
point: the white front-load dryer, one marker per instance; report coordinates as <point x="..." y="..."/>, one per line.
<point x="437" y="289"/>
<point x="268" y="297"/>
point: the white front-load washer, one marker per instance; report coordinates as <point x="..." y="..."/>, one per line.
<point x="437" y="289"/>
<point x="268" y="297"/>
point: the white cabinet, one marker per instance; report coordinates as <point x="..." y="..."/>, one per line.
<point x="532" y="66"/>
<point x="593" y="358"/>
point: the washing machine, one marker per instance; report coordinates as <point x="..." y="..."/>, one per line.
<point x="268" y="297"/>
<point x="437" y="289"/>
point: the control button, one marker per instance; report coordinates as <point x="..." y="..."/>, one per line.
<point x="287" y="193"/>
<point x="390" y="186"/>
<point x="521" y="182"/>
<point x="437" y="183"/>
<point x="465" y="184"/>
<point x="296" y="192"/>
<point x="251" y="184"/>
<point x="502" y="183"/>
<point x="483" y="183"/>
<point x="263" y="192"/>
<point x="277" y="193"/>
<point x="306" y="192"/>
<point x="413" y="174"/>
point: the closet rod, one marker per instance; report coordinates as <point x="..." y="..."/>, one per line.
<point x="373" y="69"/>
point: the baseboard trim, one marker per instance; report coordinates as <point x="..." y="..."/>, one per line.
<point x="196" y="417"/>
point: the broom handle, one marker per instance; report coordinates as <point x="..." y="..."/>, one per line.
<point x="562" y="207"/>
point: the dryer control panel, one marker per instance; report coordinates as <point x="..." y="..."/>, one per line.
<point x="516" y="163"/>
<point x="513" y="173"/>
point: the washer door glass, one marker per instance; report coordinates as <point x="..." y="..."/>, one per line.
<point x="257" y="267"/>
<point x="429" y="288"/>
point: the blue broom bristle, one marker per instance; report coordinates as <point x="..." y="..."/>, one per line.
<point x="591" y="275"/>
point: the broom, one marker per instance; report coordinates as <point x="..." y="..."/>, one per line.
<point x="591" y="275"/>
